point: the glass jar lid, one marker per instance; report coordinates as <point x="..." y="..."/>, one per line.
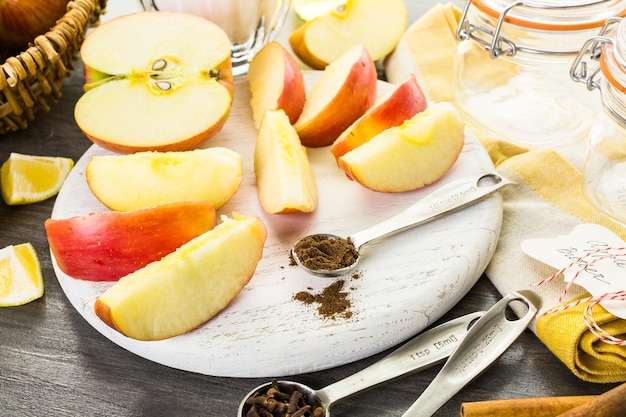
<point x="553" y="15"/>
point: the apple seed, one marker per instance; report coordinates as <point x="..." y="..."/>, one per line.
<point x="163" y="85"/>
<point x="159" y="65"/>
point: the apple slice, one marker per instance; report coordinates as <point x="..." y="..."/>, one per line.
<point x="155" y="81"/>
<point x="409" y="156"/>
<point x="276" y="82"/>
<point x="106" y="246"/>
<point x="146" y="179"/>
<point x="404" y="102"/>
<point x="378" y="25"/>
<point x="284" y="177"/>
<point x="346" y="89"/>
<point x="187" y="287"/>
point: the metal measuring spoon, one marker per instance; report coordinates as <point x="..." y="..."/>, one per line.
<point x="486" y="341"/>
<point x="450" y="197"/>
<point x="424" y="350"/>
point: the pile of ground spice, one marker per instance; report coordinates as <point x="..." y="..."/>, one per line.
<point x="321" y="252"/>
<point x="333" y="301"/>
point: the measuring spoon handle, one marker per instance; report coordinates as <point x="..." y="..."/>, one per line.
<point x="452" y="196"/>
<point x="423" y="351"/>
<point x="486" y="341"/>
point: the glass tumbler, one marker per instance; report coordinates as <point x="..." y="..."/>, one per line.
<point x="249" y="24"/>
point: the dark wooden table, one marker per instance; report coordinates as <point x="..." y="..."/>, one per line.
<point x="53" y="363"/>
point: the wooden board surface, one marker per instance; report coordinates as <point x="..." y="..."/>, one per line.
<point x="404" y="282"/>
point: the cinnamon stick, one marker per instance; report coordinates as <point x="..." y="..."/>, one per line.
<point x="610" y="404"/>
<point x="524" y="407"/>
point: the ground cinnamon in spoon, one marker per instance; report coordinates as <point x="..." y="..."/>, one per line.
<point x="320" y="252"/>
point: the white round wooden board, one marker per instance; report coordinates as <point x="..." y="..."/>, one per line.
<point x="405" y="283"/>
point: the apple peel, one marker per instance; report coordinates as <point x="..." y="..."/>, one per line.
<point x="344" y="92"/>
<point x="108" y="245"/>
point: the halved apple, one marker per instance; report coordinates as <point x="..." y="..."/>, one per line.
<point x="284" y="177"/>
<point x="106" y="246"/>
<point x="155" y="81"/>
<point x="378" y="25"/>
<point x="188" y="287"/>
<point x="404" y="102"/>
<point x="276" y="82"/>
<point x="346" y="89"/>
<point x="146" y="179"/>
<point x="409" y="156"/>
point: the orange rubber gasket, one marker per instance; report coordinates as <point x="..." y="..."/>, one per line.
<point x="606" y="72"/>
<point x="542" y="26"/>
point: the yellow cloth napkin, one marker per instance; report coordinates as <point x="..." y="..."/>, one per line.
<point x="546" y="202"/>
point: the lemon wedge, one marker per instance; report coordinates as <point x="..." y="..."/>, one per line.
<point x="310" y="9"/>
<point x="20" y="275"/>
<point x="29" y="179"/>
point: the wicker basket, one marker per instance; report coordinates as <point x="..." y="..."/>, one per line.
<point x="31" y="80"/>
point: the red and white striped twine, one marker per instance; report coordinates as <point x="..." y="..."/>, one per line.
<point x="588" y="319"/>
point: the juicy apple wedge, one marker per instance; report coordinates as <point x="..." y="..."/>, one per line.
<point x="146" y="179"/>
<point x="276" y="82"/>
<point x="155" y="81"/>
<point x="409" y="156"/>
<point x="404" y="102"/>
<point x="188" y="287"/>
<point x="106" y="246"/>
<point x="285" y="180"/>
<point x="378" y="25"/>
<point x="344" y="92"/>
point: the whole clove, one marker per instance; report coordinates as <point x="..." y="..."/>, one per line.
<point x="279" y="402"/>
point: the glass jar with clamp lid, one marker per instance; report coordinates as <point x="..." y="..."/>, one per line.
<point x="512" y="68"/>
<point x="604" y="173"/>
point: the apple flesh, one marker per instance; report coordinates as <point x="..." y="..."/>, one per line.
<point x="276" y="82"/>
<point x="378" y="25"/>
<point x="344" y="92"/>
<point x="109" y="245"/>
<point x="404" y="102"/>
<point x="21" y="21"/>
<point x="146" y="179"/>
<point x="285" y="181"/>
<point x="409" y="156"/>
<point x="155" y="81"/>
<point x="189" y="286"/>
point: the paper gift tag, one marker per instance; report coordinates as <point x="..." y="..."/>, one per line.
<point x="592" y="256"/>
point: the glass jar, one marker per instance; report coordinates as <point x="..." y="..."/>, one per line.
<point x="604" y="172"/>
<point x="511" y="75"/>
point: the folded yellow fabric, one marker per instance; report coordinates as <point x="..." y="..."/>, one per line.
<point x="547" y="202"/>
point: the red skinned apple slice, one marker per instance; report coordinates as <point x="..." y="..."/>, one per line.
<point x="146" y="179"/>
<point x="284" y="177"/>
<point x="276" y="82"/>
<point x="378" y="25"/>
<point x="187" y="287"/>
<point x="155" y="81"/>
<point x="346" y="89"/>
<point x="403" y="103"/>
<point x="409" y="156"/>
<point x="106" y="246"/>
